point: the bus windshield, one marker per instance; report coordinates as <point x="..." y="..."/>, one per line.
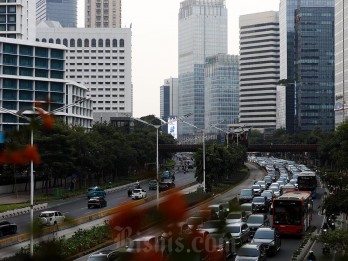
<point x="287" y="212"/>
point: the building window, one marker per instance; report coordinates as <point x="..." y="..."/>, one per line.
<point x="79" y="43"/>
<point x="114" y="43"/>
<point x="65" y="42"/>
<point x="86" y="42"/>
<point x="72" y="42"/>
<point x="107" y="43"/>
<point x="121" y="43"/>
<point x="58" y="41"/>
<point x="50" y="40"/>
<point x="94" y="43"/>
<point x="100" y="43"/>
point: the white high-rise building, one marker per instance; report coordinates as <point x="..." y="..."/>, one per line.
<point x="17" y="19"/>
<point x="259" y="69"/>
<point x="341" y="61"/>
<point x="103" y="13"/>
<point x="100" y="59"/>
<point x="202" y="33"/>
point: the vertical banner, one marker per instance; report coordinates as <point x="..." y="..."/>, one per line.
<point x="173" y="127"/>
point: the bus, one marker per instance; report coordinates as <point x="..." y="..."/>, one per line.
<point x="292" y="213"/>
<point x="307" y="181"/>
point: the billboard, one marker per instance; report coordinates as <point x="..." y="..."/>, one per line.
<point x="173" y="127"/>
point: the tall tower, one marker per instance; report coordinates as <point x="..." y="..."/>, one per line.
<point x="202" y="33"/>
<point x="341" y="61"/>
<point x="169" y="100"/>
<point x="17" y="19"/>
<point x="315" y="64"/>
<point x="103" y="13"/>
<point x="259" y="69"/>
<point x="63" y="11"/>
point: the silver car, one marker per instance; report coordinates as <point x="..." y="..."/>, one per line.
<point x="239" y="231"/>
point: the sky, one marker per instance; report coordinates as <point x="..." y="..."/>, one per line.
<point x="155" y="42"/>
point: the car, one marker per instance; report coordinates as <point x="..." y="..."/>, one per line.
<point x="206" y="214"/>
<point x="256" y="189"/>
<point x="213" y="226"/>
<point x="138" y="194"/>
<point x="95" y="192"/>
<point x="269" y="237"/>
<point x="218" y="247"/>
<point x="251" y="252"/>
<point x="276" y="190"/>
<point x="218" y="209"/>
<point x="262" y="183"/>
<point x="239" y="231"/>
<point x="289" y="187"/>
<point x="255" y="221"/>
<point x="152" y="184"/>
<point x="104" y="255"/>
<point x="245" y="196"/>
<point x="132" y="187"/>
<point x="96" y="202"/>
<point x="166" y="175"/>
<point x="260" y="204"/>
<point x="281" y="183"/>
<point x="194" y="222"/>
<point x="51" y="217"/>
<point x="247" y="208"/>
<point x="163" y="186"/>
<point x="143" y="245"/>
<point x="7" y="227"/>
<point x="235" y="217"/>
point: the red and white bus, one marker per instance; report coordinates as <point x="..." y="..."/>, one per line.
<point x="292" y="213"/>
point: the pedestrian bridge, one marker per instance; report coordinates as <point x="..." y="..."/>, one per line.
<point x="250" y="147"/>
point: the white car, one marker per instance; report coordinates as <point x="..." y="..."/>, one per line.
<point x="138" y="194"/>
<point x="49" y="218"/>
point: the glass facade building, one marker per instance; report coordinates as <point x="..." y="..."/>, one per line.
<point x="63" y="11"/>
<point x="314" y="65"/>
<point x="221" y="91"/>
<point x="202" y="33"/>
<point x="341" y="62"/>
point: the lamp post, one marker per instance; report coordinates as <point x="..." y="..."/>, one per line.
<point x="19" y="114"/>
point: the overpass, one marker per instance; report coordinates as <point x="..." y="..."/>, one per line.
<point x="251" y="148"/>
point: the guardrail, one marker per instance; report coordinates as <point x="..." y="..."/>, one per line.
<point x="21" y="211"/>
<point x="81" y="220"/>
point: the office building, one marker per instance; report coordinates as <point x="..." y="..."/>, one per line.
<point x="17" y="19"/>
<point x="221" y="81"/>
<point x="202" y="32"/>
<point x="100" y="59"/>
<point x="35" y="72"/>
<point x="314" y="65"/>
<point x="259" y="69"/>
<point x="169" y="98"/>
<point x="103" y="13"/>
<point x="341" y="62"/>
<point x="63" y="11"/>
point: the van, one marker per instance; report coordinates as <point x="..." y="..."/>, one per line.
<point x="95" y="192"/>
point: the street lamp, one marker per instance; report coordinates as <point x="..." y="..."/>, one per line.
<point x="19" y="114"/>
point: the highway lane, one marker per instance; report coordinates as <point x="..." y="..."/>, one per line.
<point x="289" y="244"/>
<point x="77" y="207"/>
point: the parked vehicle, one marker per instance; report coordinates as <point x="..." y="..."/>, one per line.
<point x="269" y="237"/>
<point x="7" y="227"/>
<point x="251" y="252"/>
<point x="96" y="202"/>
<point x="138" y="194"/>
<point x="51" y="218"/>
<point x="95" y="192"/>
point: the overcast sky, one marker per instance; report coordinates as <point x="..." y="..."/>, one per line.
<point x="155" y="42"/>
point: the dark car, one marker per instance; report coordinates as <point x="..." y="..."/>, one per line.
<point x="260" y="204"/>
<point x="163" y="186"/>
<point x="255" y="221"/>
<point x="7" y="227"/>
<point x="268" y="237"/>
<point x="218" y="247"/>
<point x="95" y="192"/>
<point x="213" y="226"/>
<point x="152" y="185"/>
<point x="251" y="252"/>
<point x="96" y="202"/>
<point x="245" y="196"/>
<point x="105" y="255"/>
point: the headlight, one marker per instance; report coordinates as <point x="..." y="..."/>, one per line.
<point x="272" y="243"/>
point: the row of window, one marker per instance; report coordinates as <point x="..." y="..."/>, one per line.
<point x="95" y="70"/>
<point x="121" y="64"/>
<point x="108" y="89"/>
<point x="85" y="42"/>
<point x="94" y="57"/>
<point x="108" y="108"/>
<point x="29" y="51"/>
<point x="15" y="84"/>
<point x="9" y="70"/>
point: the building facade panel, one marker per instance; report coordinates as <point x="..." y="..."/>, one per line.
<point x="103" y="13"/>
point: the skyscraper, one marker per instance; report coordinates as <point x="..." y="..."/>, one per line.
<point x="259" y="69"/>
<point x="221" y="83"/>
<point x="341" y="61"/>
<point x="202" y="33"/>
<point x="103" y="13"/>
<point x="17" y="19"/>
<point x="169" y="100"/>
<point x="314" y="64"/>
<point x="63" y="11"/>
